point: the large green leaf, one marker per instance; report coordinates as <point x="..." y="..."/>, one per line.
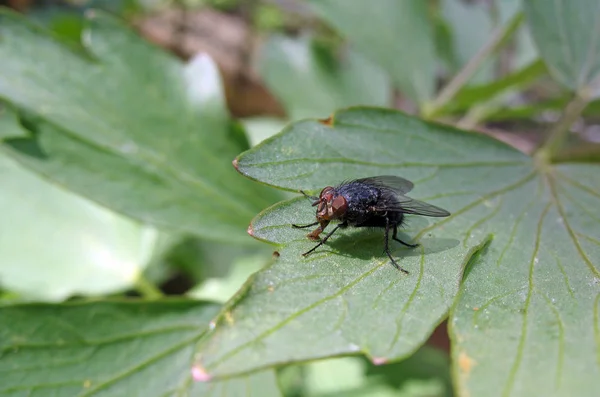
<point x="111" y="349"/>
<point x="529" y="229"/>
<point x="425" y="373"/>
<point x="311" y="82"/>
<point x="470" y="28"/>
<point x="9" y="126"/>
<point x="56" y="244"/>
<point x="566" y="33"/>
<point x="128" y="126"/>
<point x="397" y="35"/>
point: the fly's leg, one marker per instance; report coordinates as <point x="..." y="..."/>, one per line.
<point x="324" y="239"/>
<point x="387" y="247"/>
<point x="394" y="237"/>
<point x="304" y="226"/>
<point x="308" y="196"/>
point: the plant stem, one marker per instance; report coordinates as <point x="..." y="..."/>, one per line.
<point x="147" y="289"/>
<point x="498" y="37"/>
<point x="560" y="131"/>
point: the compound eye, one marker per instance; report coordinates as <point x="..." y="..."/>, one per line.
<point x="339" y="206"/>
<point x="339" y="203"/>
<point x="326" y="193"/>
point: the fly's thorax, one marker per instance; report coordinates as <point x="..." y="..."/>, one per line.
<point x="359" y="196"/>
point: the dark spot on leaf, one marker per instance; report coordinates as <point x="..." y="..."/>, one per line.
<point x="276" y="254"/>
<point x="328" y="121"/>
<point x="465" y="363"/>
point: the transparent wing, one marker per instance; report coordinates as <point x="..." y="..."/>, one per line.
<point x="395" y="183"/>
<point x="408" y="205"/>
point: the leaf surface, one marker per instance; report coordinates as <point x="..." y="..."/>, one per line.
<point x="128" y="126"/>
<point x="311" y="81"/>
<point x="528" y="229"/>
<point x="567" y="36"/>
<point x="396" y="35"/>
<point x="56" y="244"/>
<point x="111" y="349"/>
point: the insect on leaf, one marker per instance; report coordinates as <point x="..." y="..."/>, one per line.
<point x="530" y="230"/>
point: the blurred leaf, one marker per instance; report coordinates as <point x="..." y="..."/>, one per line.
<point x="260" y="128"/>
<point x="9" y="125"/>
<point x="538" y="109"/>
<point x="397" y="35"/>
<point x="475" y="94"/>
<point x="425" y="373"/>
<point x="258" y="384"/>
<point x="529" y="228"/>
<point x="528" y="111"/>
<point x="221" y="289"/>
<point x="268" y="17"/>
<point x="444" y="44"/>
<point x="471" y="27"/>
<point x="566" y="34"/>
<point x="525" y="50"/>
<point x="334" y="376"/>
<point x="55" y="244"/>
<point x="129" y="127"/>
<point x="311" y="82"/>
<point x="111" y="349"/>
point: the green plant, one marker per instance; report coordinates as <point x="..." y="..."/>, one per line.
<point x="515" y="269"/>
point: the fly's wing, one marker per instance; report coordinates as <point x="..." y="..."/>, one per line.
<point x="408" y="205"/>
<point x="391" y="182"/>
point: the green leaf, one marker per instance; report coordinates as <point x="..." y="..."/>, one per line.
<point x="309" y="81"/>
<point x="221" y="289"/>
<point x="471" y="27"/>
<point x="528" y="228"/>
<point x="566" y="34"/>
<point x="425" y="373"/>
<point x="128" y="126"/>
<point x="55" y="244"/>
<point x="9" y="126"/>
<point x="472" y="95"/>
<point x="111" y="349"/>
<point x="260" y="128"/>
<point x="397" y="35"/>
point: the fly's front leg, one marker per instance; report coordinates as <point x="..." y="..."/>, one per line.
<point x="325" y="239"/>
<point x="304" y="226"/>
<point x="314" y="235"/>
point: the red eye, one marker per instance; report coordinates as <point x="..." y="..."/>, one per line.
<point x="339" y="206"/>
<point x="326" y="193"/>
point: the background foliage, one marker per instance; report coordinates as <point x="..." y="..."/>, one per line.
<point x="119" y="190"/>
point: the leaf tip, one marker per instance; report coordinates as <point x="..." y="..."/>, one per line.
<point x="379" y="360"/>
<point x="250" y="230"/>
<point x="199" y="374"/>
<point x="235" y="164"/>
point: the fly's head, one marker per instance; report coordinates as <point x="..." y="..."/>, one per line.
<point x="330" y="205"/>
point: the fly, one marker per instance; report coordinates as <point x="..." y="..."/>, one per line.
<point x="377" y="201"/>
